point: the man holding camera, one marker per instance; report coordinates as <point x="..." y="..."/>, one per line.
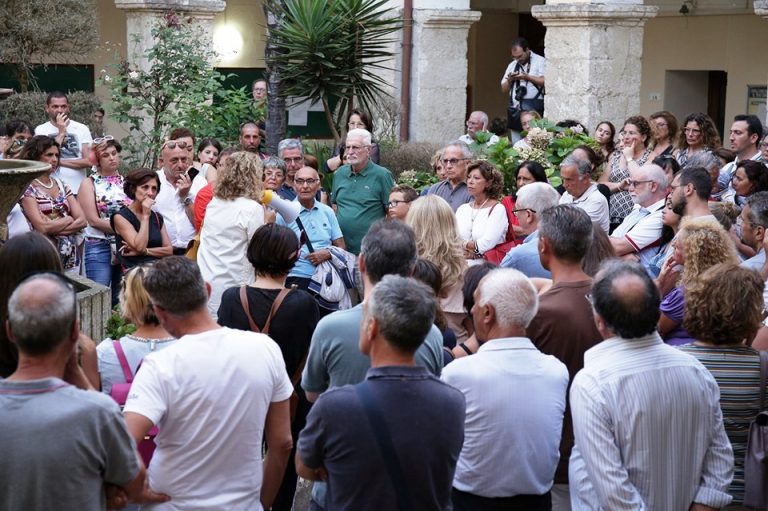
<point x="176" y="197"/>
<point x="523" y="80"/>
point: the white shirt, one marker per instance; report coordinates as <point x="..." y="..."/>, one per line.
<point x="226" y="232"/>
<point x="648" y="428"/>
<point x="594" y="203"/>
<point x="209" y="395"/>
<point x="515" y="403"/>
<point x="538" y="67"/>
<point x="171" y="206"/>
<point x="72" y="149"/>
<point x="642" y="229"/>
<point x="486" y="226"/>
<point x="469" y="140"/>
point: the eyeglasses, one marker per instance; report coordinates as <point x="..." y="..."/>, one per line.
<point x="302" y="182"/>
<point x="105" y="138"/>
<point x="19" y="142"/>
<point x="173" y="144"/>
<point x="692" y="131"/>
<point x="289" y="161"/>
<point x="523" y="209"/>
<point x="395" y="203"/>
<point x="277" y="174"/>
<point x="635" y="184"/>
<point x="356" y="147"/>
<point x="453" y="161"/>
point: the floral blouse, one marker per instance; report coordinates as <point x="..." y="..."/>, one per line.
<point x="54" y="208"/>
<point x="110" y="198"/>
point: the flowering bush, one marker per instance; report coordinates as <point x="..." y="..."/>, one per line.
<point x="417" y="179"/>
<point x="179" y="88"/>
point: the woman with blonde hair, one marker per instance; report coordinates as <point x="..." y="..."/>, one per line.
<point x="231" y="219"/>
<point x="437" y="241"/>
<point x="149" y="336"/>
<point x="700" y="244"/>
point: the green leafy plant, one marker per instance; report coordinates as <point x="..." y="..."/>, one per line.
<point x="418" y="179"/>
<point x="42" y="32"/>
<point x="178" y="84"/>
<point x="332" y="50"/>
<point x="117" y="326"/>
<point x="505" y="158"/>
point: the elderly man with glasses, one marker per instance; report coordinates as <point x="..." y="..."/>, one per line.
<point x="360" y="193"/>
<point x="454" y="188"/>
<point x="639" y="235"/>
<point x="176" y="198"/>
<point x="291" y="151"/>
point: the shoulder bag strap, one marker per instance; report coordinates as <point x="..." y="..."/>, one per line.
<point x="763" y="376"/>
<point x="247" y="309"/>
<point x="123" y="361"/>
<point x="384" y="441"/>
<point x="275" y="305"/>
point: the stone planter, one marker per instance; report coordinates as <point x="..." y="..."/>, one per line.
<point x="94" y="303"/>
<point x="15" y="176"/>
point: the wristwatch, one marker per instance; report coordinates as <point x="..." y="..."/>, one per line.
<point x="188" y="200"/>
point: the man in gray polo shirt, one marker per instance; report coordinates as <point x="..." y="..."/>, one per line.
<point x="389" y="248"/>
<point x="454" y="188"/>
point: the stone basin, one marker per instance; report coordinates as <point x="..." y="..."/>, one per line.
<point x="15" y="176"/>
<point x="94" y="300"/>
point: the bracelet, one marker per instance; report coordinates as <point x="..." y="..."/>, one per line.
<point x="146" y="252"/>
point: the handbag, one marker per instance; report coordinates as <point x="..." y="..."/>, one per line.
<point x="386" y="446"/>
<point x="496" y="254"/>
<point x="756" y="455"/>
<point x="120" y="394"/>
<point x="295" y="377"/>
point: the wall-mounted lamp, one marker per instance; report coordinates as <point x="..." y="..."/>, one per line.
<point x="688" y="7"/>
<point x="227" y="42"/>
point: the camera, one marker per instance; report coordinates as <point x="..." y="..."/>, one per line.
<point x="520" y="92"/>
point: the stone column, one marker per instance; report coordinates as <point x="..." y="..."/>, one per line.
<point x="761" y="9"/>
<point x="439" y="73"/>
<point x="142" y="14"/>
<point x="594" y="53"/>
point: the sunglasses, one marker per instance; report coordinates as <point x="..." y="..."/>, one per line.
<point x="103" y="139"/>
<point x="173" y="144"/>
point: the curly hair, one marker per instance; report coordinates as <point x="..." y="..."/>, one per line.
<point x="241" y="176"/>
<point x="671" y="121"/>
<point x="710" y="137"/>
<point x="725" y="305"/>
<point x="705" y="244"/>
<point x="492" y="175"/>
<point x="437" y="239"/>
<point x="36" y="146"/>
<point x="642" y="125"/>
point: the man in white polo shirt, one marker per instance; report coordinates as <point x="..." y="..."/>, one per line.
<point x="640" y="232"/>
<point x="582" y="192"/>
<point x="73" y="137"/>
<point x="176" y="198"/>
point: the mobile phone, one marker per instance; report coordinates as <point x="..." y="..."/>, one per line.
<point x="192" y="172"/>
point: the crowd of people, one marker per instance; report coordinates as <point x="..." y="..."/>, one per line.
<point x="590" y="346"/>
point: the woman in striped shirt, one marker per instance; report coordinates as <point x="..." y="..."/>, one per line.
<point x="723" y="310"/>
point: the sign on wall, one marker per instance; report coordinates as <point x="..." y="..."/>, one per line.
<point x="756" y="100"/>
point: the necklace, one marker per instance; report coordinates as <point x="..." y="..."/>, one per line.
<point x="145" y="339"/>
<point x="475" y="213"/>
<point x="46" y="186"/>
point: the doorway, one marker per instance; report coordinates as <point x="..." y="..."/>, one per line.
<point x="686" y="92"/>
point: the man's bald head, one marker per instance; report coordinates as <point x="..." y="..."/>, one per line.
<point x="626" y="298"/>
<point x="42" y="313"/>
<point x="307" y="173"/>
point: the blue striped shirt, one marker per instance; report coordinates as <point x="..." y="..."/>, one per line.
<point x="648" y="428"/>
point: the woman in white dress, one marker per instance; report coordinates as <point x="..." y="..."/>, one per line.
<point x="232" y="216"/>
<point x="483" y="222"/>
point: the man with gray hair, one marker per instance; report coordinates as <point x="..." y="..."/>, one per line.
<point x="581" y="191"/>
<point x="291" y="151"/>
<point x="360" y="193"/>
<point x="389" y="248"/>
<point x="532" y="200"/>
<point x="646" y="416"/>
<point x="60" y="445"/>
<point x="454" y="188"/>
<point x="754" y="221"/>
<point x="394" y="412"/>
<point x="563" y="326"/>
<point x="639" y="235"/>
<point x="214" y="395"/>
<point x="515" y="403"/>
<point x="478" y="121"/>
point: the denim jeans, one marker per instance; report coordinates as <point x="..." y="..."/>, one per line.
<point x="99" y="268"/>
